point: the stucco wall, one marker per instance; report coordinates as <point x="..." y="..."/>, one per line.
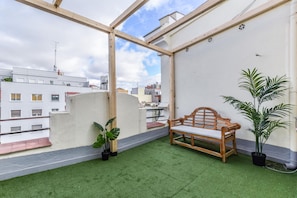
<point x="73" y="128"/>
<point x="206" y="71"/>
<point x="223" y="13"/>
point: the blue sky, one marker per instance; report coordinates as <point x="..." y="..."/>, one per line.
<point x="28" y="37"/>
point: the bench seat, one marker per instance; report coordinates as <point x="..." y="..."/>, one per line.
<point x="207" y="133"/>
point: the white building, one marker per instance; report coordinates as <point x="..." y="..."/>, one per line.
<point x="28" y="99"/>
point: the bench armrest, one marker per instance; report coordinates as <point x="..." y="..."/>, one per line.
<point x="231" y="128"/>
<point x="175" y="122"/>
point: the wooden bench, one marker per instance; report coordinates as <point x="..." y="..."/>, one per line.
<point x="207" y="125"/>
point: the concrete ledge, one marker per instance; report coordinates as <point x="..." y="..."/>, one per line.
<point x="274" y="153"/>
<point x="20" y="166"/>
<point x="24" y="145"/>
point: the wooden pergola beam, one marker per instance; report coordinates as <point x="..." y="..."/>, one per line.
<point x="57" y="3"/>
<point x="251" y="14"/>
<point x="112" y="77"/>
<point x="132" y="9"/>
<point x="50" y="8"/>
<point x="141" y="42"/>
<point x="201" y="9"/>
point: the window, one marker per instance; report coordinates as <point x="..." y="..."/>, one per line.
<point x="20" y="80"/>
<point x="32" y="81"/>
<point x="40" y="81"/>
<point x="36" y="112"/>
<point x="15" y="129"/>
<point x="15" y="96"/>
<point x="55" y="109"/>
<point x="36" y="126"/>
<point x="15" y="113"/>
<point x="36" y="97"/>
<point x="55" y="97"/>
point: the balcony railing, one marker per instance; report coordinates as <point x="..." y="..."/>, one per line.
<point x="9" y="136"/>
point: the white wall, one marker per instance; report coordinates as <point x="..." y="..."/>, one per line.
<point x="224" y="12"/>
<point x="26" y="105"/>
<point x="208" y="70"/>
<point x="74" y="127"/>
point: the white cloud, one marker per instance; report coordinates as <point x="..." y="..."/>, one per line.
<point x="28" y="37"/>
<point x="155" y="4"/>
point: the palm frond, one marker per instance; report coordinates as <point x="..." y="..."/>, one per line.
<point x="274" y="88"/>
<point x="252" y="81"/>
<point x="264" y="119"/>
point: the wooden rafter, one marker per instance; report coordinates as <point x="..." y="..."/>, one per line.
<point x="133" y="8"/>
<point x="50" y="8"/>
<point x="47" y="7"/>
<point x="57" y="3"/>
<point x="141" y="42"/>
<point x="251" y="14"/>
<point x="201" y="9"/>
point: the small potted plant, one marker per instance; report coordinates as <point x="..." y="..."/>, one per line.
<point x="264" y="119"/>
<point x="104" y="137"/>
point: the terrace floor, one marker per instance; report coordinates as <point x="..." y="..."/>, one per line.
<point x="156" y="169"/>
<point x="23" y="165"/>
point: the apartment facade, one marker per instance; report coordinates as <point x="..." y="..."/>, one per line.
<point x="27" y="98"/>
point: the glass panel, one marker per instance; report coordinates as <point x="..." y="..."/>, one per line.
<point x="16" y="128"/>
<point x="36" y="112"/>
<point x="15" y="113"/>
<point x="36" y="126"/>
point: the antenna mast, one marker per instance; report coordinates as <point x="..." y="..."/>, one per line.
<point x="55" y="66"/>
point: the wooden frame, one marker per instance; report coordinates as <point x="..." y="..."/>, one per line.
<point x="55" y="9"/>
<point x="200" y="10"/>
<point x="240" y="19"/>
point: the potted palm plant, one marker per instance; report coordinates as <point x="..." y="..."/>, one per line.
<point x="264" y="119"/>
<point x="104" y="137"/>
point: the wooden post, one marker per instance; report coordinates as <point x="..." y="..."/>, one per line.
<point x="172" y="88"/>
<point x="112" y="78"/>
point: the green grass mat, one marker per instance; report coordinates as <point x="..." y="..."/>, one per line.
<point x="155" y="169"/>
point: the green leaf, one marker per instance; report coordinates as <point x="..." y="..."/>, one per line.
<point x="98" y="126"/>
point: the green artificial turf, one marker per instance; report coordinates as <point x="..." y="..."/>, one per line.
<point x="155" y="169"/>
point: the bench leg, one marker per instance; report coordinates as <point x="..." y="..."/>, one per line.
<point x="184" y="137"/>
<point x="234" y="145"/>
<point x="171" y="137"/>
<point x="223" y="150"/>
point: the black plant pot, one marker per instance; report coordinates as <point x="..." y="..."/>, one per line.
<point x="105" y="155"/>
<point x="259" y="159"/>
<point x="113" y="153"/>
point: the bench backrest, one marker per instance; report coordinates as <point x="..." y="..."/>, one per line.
<point x="205" y="117"/>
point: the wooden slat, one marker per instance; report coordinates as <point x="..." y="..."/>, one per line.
<point x="132" y="9"/>
<point x="201" y="9"/>
<point x="112" y="78"/>
<point x="249" y="15"/>
<point x="141" y="42"/>
<point x="57" y="3"/>
<point x="50" y="8"/>
<point x="172" y="88"/>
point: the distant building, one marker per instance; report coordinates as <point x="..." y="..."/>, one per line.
<point x="148" y="94"/>
<point x="121" y="90"/>
<point x="28" y="96"/>
<point x="104" y="82"/>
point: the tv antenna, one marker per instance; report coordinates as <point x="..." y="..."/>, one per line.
<point x="55" y="66"/>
